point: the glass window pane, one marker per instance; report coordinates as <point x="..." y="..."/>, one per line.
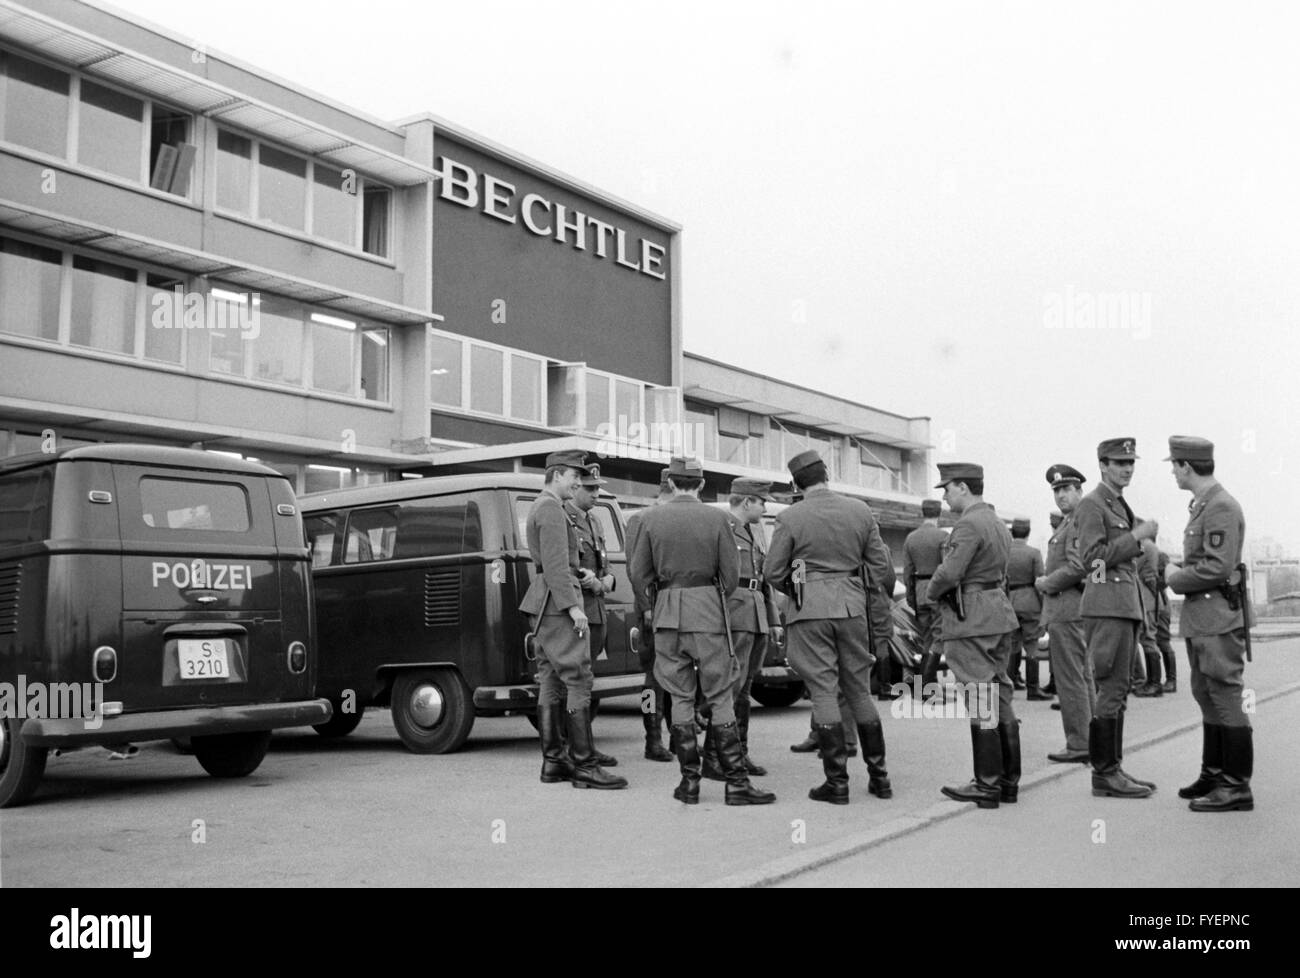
<point x="277" y="349"/>
<point x="701" y="434"/>
<point x="431" y="527"/>
<point x="376" y="204"/>
<point x="110" y="130"/>
<point x="281" y="187"/>
<point x="627" y="402"/>
<point x="321" y="478"/>
<point x="374" y="363"/>
<point x="332" y="352"/>
<point x="486" y="379"/>
<point x="163" y="329"/>
<point x="179" y="504"/>
<point x="226" y="347"/>
<point x="563" y="382"/>
<point x="29" y="289"/>
<point x="334" y="205"/>
<point x="597" y="400"/>
<point x="732" y="449"/>
<point x="33" y="105"/>
<point x="234" y="171"/>
<point x="103" y="305"/>
<point x="170" y="129"/>
<point x="525" y="388"/>
<point x="444" y="358"/>
<point x="372" y="535"/>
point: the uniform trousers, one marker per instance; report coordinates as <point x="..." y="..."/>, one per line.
<point x="1075" y="683"/>
<point x="833" y="658"/>
<point x="981" y="663"/>
<point x="691" y="662"/>
<point x="927" y="618"/>
<point x="1112" y="643"/>
<point x="563" y="663"/>
<point x="751" y="649"/>
<point x="1218" y="662"/>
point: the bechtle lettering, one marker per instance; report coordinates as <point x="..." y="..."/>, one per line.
<point x="462" y="185"/>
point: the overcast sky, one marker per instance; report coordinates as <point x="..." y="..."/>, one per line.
<point x="911" y="205"/>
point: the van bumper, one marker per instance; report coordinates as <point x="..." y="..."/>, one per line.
<point x="502" y="699"/>
<point x="164" y="724"/>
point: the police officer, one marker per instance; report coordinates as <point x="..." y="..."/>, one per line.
<point x="1213" y="623"/>
<point x="1110" y="540"/>
<point x="594" y="575"/>
<point x="559" y="623"/>
<point x="827" y="554"/>
<point x="1024" y="566"/>
<point x="975" y="615"/>
<point x="686" y="552"/>
<point x="654" y="701"/>
<point x="922" y="555"/>
<point x="1062" y="588"/>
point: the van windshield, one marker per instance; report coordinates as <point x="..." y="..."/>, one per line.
<point x="183" y="504"/>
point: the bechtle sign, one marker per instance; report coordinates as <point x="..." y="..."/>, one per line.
<point x="462" y="185"/>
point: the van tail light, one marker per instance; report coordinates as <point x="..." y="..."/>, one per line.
<point x="297" y="656"/>
<point x="104" y="664"/>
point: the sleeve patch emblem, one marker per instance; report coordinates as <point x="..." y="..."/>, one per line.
<point x="1216" y="539"/>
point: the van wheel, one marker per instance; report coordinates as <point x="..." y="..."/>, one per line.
<point x="431" y="711"/>
<point x="232" y="755"/>
<point x="340" y="724"/>
<point x="777" y="695"/>
<point x="21" y="765"/>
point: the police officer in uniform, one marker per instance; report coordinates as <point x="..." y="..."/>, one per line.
<point x="828" y="555"/>
<point x="555" y="606"/>
<point x="1024" y="566"/>
<point x="1110" y="540"/>
<point x="1213" y="623"/>
<point x="654" y="701"/>
<point x="594" y="574"/>
<point x="922" y="555"/>
<point x="975" y="615"/>
<point x="1062" y="588"/>
<point x="686" y="553"/>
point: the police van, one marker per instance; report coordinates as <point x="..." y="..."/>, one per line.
<point x="149" y="593"/>
<point x="418" y="586"/>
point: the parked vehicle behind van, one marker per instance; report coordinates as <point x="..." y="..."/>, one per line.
<point x="418" y="586"/>
<point x="149" y="593"/>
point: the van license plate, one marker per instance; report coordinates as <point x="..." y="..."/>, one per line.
<point x="203" y="658"/>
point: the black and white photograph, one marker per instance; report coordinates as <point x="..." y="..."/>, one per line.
<point x="608" y="445"/>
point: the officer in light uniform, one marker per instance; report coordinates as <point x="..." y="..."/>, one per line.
<point x="823" y="548"/>
<point x="922" y="555"/>
<point x="655" y="705"/>
<point x="1214" y="624"/>
<point x="1110" y="541"/>
<point x="1024" y="566"/>
<point x="686" y="553"/>
<point x="554" y="605"/>
<point x="971" y="579"/>
<point x="1062" y="588"/>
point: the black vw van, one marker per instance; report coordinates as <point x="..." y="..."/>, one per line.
<point x="149" y="593"/>
<point x="418" y="585"/>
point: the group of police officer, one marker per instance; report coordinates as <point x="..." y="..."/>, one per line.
<point x="704" y="590"/>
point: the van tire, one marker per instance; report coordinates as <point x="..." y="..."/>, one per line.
<point x="235" y="755"/>
<point x="340" y="724"/>
<point x="777" y="696"/>
<point x="21" y="765"/>
<point x="413" y="691"/>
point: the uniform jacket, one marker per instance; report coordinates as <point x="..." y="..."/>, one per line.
<point x="553" y="545"/>
<point x="1211" y="550"/>
<point x="922" y="555"/>
<point x="834" y="536"/>
<point x="640" y="602"/>
<point x="1064" y="572"/>
<point x="752" y="608"/>
<point x="682" y="547"/>
<point x="1108" y="551"/>
<point x="1024" y="566"/>
<point x="591" y="556"/>
<point x="975" y="553"/>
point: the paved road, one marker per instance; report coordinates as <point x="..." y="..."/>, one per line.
<point x="362" y="811"/>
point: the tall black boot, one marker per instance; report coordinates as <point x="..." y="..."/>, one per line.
<point x="654" y="738"/>
<point x="1009" y="737"/>
<point x="872" y="738"/>
<point x="884" y="672"/>
<point x="1031" y="681"/>
<point x="712" y="769"/>
<point x="1211" y="763"/>
<point x="586" y="772"/>
<point x="986" y="788"/>
<point x="1171" y="669"/>
<point x="1152" y="686"/>
<point x="1232" y="794"/>
<point x="742" y="724"/>
<point x="688" y="756"/>
<point x="835" y="762"/>
<point x="556" y="765"/>
<point x="1119" y="752"/>
<point x="1107" y="779"/>
<point x="1014" y="669"/>
<point x="808" y="744"/>
<point x="731" y="757"/>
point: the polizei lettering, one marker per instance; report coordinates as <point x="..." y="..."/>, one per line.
<point x="102" y="931"/>
<point x="203" y="574"/>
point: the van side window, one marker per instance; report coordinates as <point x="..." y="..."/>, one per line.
<point x="183" y="504"/>
<point x="432" y="527"/>
<point x="372" y="535"/>
<point x="25" y="507"/>
<point x="322" y="530"/>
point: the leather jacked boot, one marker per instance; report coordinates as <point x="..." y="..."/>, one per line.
<point x="1211" y="763"/>
<point x="1031" y="682"/>
<point x="654" y="738"/>
<point x="1009" y="739"/>
<point x="872" y="738"/>
<point x="731" y="757"/>
<point x="1014" y="669"/>
<point x="556" y="765"/>
<point x="586" y="772"/>
<point x="1107" y="779"/>
<point x="1232" y="794"/>
<point x="688" y="756"/>
<point x="808" y="744"/>
<point x="712" y="768"/>
<point x="986" y="788"/>
<point x="1119" y="754"/>
<point x="742" y="724"/>
<point x="1152" y="686"/>
<point x="1171" y="670"/>
<point x="835" y="760"/>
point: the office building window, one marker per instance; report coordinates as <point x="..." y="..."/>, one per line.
<point x="598" y="402"/>
<point x="103" y="313"/>
<point x="29" y="289"/>
<point x="445" y="354"/>
<point x="110" y="131"/>
<point x="334" y="205"/>
<point x="234" y="172"/>
<point x="33" y="105"/>
<point x="162" y="342"/>
<point x="702" y="430"/>
<point x="627" y="402"/>
<point x="378" y="202"/>
<point x="374" y="363"/>
<point x="525" y="388"/>
<point x="486" y="376"/>
<point x="281" y="187"/>
<point x="278" y="347"/>
<point x="332" y="353"/>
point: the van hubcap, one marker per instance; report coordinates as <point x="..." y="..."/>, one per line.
<point x="427" y="705"/>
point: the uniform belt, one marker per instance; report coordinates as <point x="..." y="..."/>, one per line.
<point x="827" y="576"/>
<point x="1018" y="587"/>
<point x="981" y="586"/>
<point x="685" y="581"/>
<point x="922" y="577"/>
<point x="750" y="584"/>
